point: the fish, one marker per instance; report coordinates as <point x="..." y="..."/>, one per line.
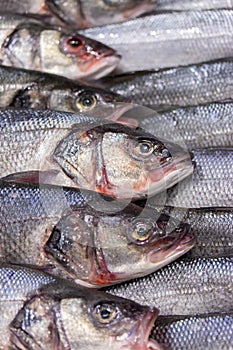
<point x="179" y="5"/>
<point x="80" y="13"/>
<point x="167" y="40"/>
<point x="180" y="86"/>
<point x="67" y="230"/>
<point x="203" y="126"/>
<point x="40" y="311"/>
<point x="70" y="150"/>
<point x="184" y="287"/>
<point x="210" y="185"/>
<point x="21" y="88"/>
<point x="28" y="43"/>
<point x="203" y="332"/>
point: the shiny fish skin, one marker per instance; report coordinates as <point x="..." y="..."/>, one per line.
<point x="51" y="226"/>
<point x="61" y="146"/>
<point x="21" y="88"/>
<point x="168" y="40"/>
<point x="211" y="184"/>
<point x="39" y="311"/>
<point x="207" y="332"/>
<point x="202" y="126"/>
<point x="179" y="86"/>
<point x="52" y="49"/>
<point x="184" y="287"/>
<point x="181" y="5"/>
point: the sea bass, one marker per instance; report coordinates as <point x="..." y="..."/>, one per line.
<point x="75" y="150"/>
<point x="201" y="332"/>
<point x="68" y="230"/>
<point x="39" y="311"/>
<point x="21" y="88"/>
<point x="210" y="185"/>
<point x="27" y="43"/>
<point x="168" y="39"/>
<point x="81" y="13"/>
<point x="178" y="86"/>
<point x="209" y="125"/>
<point x="188" y="287"/>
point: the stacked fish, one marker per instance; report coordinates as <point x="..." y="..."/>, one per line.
<point x="98" y="192"/>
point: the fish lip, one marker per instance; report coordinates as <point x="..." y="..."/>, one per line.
<point x="100" y="66"/>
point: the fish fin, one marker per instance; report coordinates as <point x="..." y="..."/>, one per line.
<point x="130" y="122"/>
<point x="37" y="177"/>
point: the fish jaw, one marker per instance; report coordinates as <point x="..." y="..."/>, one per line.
<point x="139" y="337"/>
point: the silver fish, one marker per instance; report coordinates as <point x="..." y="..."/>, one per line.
<point x="21" y="88"/>
<point x="75" y="150"/>
<point x="51" y="226"/>
<point x="203" y="126"/>
<point x="39" y="311"/>
<point x="179" y="86"/>
<point x="29" y="44"/>
<point x="187" y="5"/>
<point x="201" y="332"/>
<point x="168" y="40"/>
<point x="188" y="287"/>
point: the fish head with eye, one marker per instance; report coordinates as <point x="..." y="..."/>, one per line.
<point x="83" y="319"/>
<point x="97" y="249"/>
<point x="122" y="162"/>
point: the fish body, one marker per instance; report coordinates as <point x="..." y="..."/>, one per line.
<point x="184" y="287"/>
<point x="168" y="39"/>
<point x="27" y="43"/>
<point x="73" y="234"/>
<point x="81" y="14"/>
<point x="210" y="185"/>
<point x="21" y="88"/>
<point x="203" y="126"/>
<point x="203" y="332"/>
<point x="75" y="150"/>
<point x="179" y="86"/>
<point x="188" y="5"/>
<point x="40" y="311"/>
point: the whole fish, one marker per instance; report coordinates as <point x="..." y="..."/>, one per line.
<point x="27" y="43"/>
<point x="184" y="287"/>
<point x="187" y="5"/>
<point x="75" y="150"/>
<point x="210" y="185"/>
<point x="51" y="226"/>
<point x="201" y="332"/>
<point x="178" y="86"/>
<point x="81" y="13"/>
<point x="209" y="125"/>
<point x="168" y="39"/>
<point x="21" y="88"/>
<point x="39" y="311"/>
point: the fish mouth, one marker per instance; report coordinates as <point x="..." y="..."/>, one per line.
<point x="140" y="336"/>
<point x="171" y="247"/>
<point x="100" y="66"/>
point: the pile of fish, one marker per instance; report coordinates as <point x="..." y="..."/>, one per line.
<point x="116" y="173"/>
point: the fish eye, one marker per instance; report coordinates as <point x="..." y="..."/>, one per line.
<point x="141" y="233"/>
<point x="86" y="101"/>
<point x="105" y="313"/>
<point x="145" y="147"/>
<point x="73" y="44"/>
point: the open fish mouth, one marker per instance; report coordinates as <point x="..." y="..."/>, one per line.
<point x="100" y="66"/>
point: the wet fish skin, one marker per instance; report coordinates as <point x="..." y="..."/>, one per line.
<point x="179" y="86"/>
<point x="203" y="126"/>
<point x="203" y="332"/>
<point x="184" y="287"/>
<point x="61" y="147"/>
<point x="41" y="311"/>
<point x="21" y="88"/>
<point x="52" y="49"/>
<point x="83" y="238"/>
<point x="167" y="40"/>
<point x="188" y="5"/>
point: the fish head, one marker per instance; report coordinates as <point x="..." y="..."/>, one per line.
<point x="97" y="248"/>
<point x="85" y="319"/>
<point x="123" y="162"/>
<point x="103" y="12"/>
<point x="75" y="56"/>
